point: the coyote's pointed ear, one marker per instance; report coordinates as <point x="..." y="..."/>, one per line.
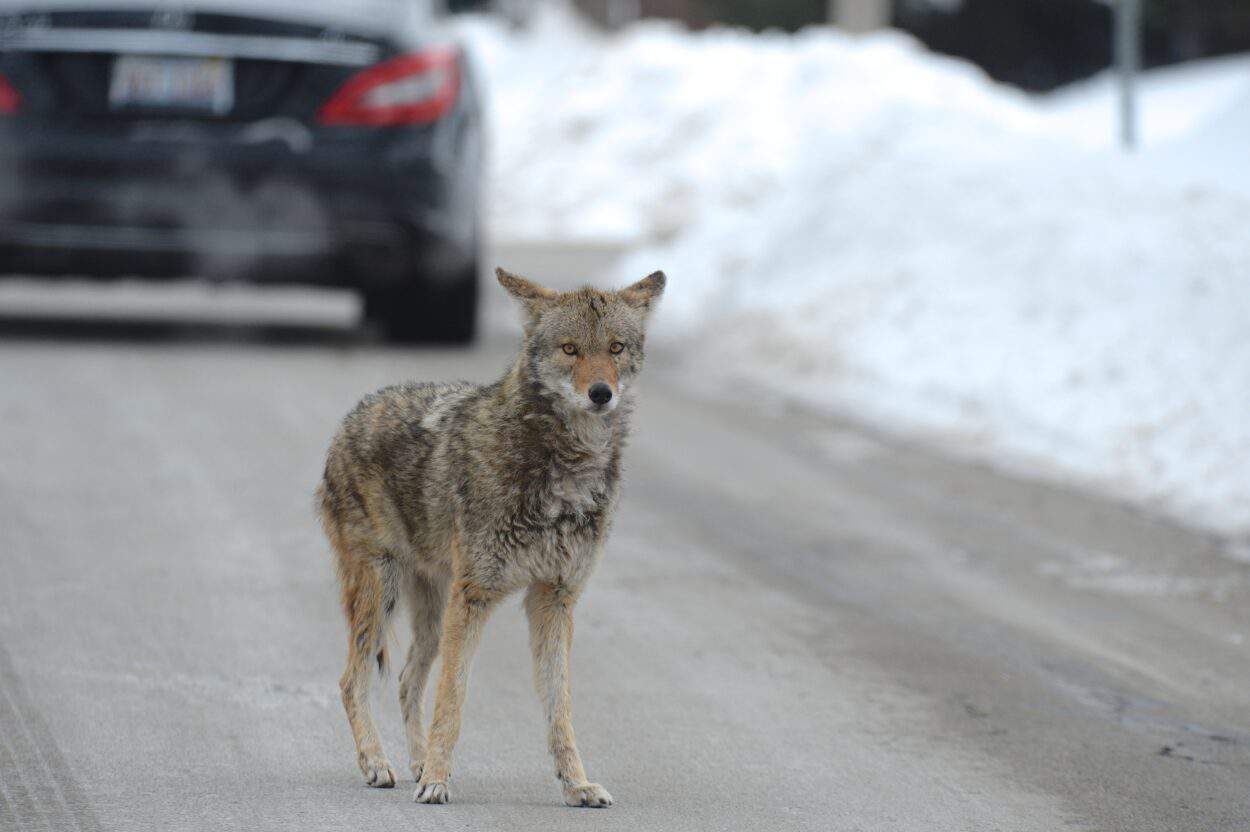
<point x="526" y="291"/>
<point x="644" y="294"/>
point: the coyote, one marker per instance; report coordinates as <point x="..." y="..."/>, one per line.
<point x="454" y="495"/>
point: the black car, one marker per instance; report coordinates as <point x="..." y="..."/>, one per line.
<point x="332" y="143"/>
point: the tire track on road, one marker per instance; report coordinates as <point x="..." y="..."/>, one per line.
<point x="37" y="787"/>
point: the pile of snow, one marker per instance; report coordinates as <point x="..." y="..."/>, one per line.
<point x="887" y="233"/>
<point x="1173" y="102"/>
<point x="1217" y="153"/>
<point x="1194" y="121"/>
<point x="637" y="137"/>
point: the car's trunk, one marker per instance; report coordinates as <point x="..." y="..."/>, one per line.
<point x="144" y="65"/>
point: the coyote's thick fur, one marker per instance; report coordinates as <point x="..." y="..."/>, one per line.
<point x="454" y="495"/>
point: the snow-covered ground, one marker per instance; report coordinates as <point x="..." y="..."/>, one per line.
<point x="873" y="229"/>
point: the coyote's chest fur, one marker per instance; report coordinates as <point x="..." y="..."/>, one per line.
<point x="568" y="508"/>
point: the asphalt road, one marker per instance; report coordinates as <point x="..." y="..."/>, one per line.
<point x="798" y="624"/>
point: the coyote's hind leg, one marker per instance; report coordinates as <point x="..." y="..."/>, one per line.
<point x="369" y="593"/>
<point x="427" y="599"/>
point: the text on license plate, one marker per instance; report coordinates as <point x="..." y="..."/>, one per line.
<point x="176" y="83"/>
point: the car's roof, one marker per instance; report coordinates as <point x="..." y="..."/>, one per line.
<point x="372" y="15"/>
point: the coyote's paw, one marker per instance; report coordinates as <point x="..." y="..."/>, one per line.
<point x="591" y="795"/>
<point x="378" y="772"/>
<point x="431" y="793"/>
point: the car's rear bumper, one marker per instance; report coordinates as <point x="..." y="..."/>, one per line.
<point x="268" y="202"/>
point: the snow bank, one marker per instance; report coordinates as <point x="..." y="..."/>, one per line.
<point x="884" y="232"/>
<point x="638" y="137"/>
<point x="1173" y="101"/>
<point x="1194" y="121"/>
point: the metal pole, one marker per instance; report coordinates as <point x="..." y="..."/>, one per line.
<point x="1128" y="63"/>
<point x="623" y="12"/>
<point x="859" y="15"/>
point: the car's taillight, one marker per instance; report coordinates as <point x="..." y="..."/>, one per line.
<point x="411" y="89"/>
<point x="10" y="101"/>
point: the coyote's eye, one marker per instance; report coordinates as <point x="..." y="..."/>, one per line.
<point x="617" y="347"/>
<point x="569" y="349"/>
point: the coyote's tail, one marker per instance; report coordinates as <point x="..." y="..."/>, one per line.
<point x="370" y="590"/>
<point x="368" y="585"/>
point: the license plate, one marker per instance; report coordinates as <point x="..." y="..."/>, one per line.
<point x="173" y="83"/>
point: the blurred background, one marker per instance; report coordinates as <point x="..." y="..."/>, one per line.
<point x="1035" y="45"/>
<point x="947" y="394"/>
<point x="844" y="182"/>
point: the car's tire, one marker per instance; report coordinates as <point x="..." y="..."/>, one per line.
<point x="420" y="313"/>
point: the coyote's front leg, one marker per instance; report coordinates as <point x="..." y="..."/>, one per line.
<point x="550" y="611"/>
<point x="467" y="610"/>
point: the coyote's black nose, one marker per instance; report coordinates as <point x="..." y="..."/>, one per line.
<point x="600" y="393"/>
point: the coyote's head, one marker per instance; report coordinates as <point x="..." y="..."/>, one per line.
<point x="585" y="347"/>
